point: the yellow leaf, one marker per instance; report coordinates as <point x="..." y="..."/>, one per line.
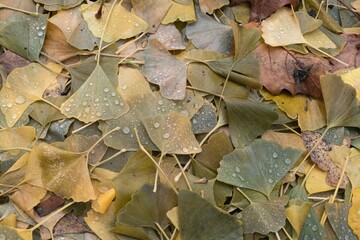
<point x="310" y="113"/>
<point x="297" y="215"/>
<point x="316" y="182"/>
<point x="122" y="24"/>
<point x="352" y="77"/>
<point x="20" y="137"/>
<point x="104" y="200"/>
<point x="319" y="39"/>
<point x="23" y="87"/>
<point x="184" y="13"/>
<point x="354" y="212"/>
<point x="9" y="221"/>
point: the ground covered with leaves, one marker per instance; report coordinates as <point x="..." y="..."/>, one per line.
<point x="179" y="119"/>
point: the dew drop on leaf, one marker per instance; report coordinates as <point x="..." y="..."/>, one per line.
<point x="20" y="99"/>
<point x="166" y="135"/>
<point x="156" y="125"/>
<point x="126" y="130"/>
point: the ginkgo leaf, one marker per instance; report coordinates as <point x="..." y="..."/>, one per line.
<point x="264" y="217"/>
<point x="74" y="28"/>
<point x="163" y="69"/>
<point x="148" y="207"/>
<point x="248" y="119"/>
<point x="208" y="6"/>
<point x="204" y="120"/>
<point x="45" y="113"/>
<point x="15" y="233"/>
<point x="297" y="215"/>
<point x="318" y="39"/>
<point x="353" y="217"/>
<point x="350" y="78"/>
<point x="23" y="87"/>
<point x="337" y="214"/>
<point x="206" y="221"/>
<point x="208" y="34"/>
<point x="259" y="166"/>
<point x="96" y="99"/>
<point x="54" y="5"/>
<point x="62" y="172"/>
<point x="183" y="13"/>
<point x="138" y="170"/>
<point x="122" y="24"/>
<point x="169" y="36"/>
<point x="340" y="102"/>
<point x="20" y="137"/>
<point x="246" y="39"/>
<point x="152" y="11"/>
<point x="24" y="34"/>
<point x="312" y="228"/>
<point x="306" y="22"/>
<point x="172" y="133"/>
<point x="282" y="29"/>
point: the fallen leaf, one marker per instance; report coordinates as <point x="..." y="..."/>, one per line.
<point x="221" y="225"/>
<point x="183" y="13"/>
<point x="54" y="5"/>
<point x="337" y="214"/>
<point x="20" y="137"/>
<point x="353" y="219"/>
<point x="210" y="6"/>
<point x="171" y="80"/>
<point x="262" y="9"/>
<point x="297" y="215"/>
<point x="122" y="24"/>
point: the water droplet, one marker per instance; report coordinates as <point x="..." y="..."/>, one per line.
<point x="43" y="27"/>
<point x="98" y="114"/>
<point x="72" y="100"/>
<point x="67" y="109"/>
<point x="194" y="121"/>
<point x="270" y="170"/>
<point x="275" y="155"/>
<point x="40" y="33"/>
<point x="314" y="228"/>
<point x="237" y="169"/>
<point x="14" y="116"/>
<point x="126" y="130"/>
<point x="234" y="174"/>
<point x="185" y="150"/>
<point x="20" y="99"/>
<point x="96" y="100"/>
<point x="160" y="102"/>
<point x="106" y="90"/>
<point x="166" y="135"/>
<point x="242" y="178"/>
<point x="113" y="94"/>
<point x="84" y="104"/>
<point x="124" y="86"/>
<point x="9" y="105"/>
<point x="287" y="161"/>
<point x="156" y="125"/>
<point x="116" y="102"/>
<point x="270" y="180"/>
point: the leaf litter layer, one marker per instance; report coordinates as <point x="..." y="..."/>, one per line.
<point x="179" y="119"/>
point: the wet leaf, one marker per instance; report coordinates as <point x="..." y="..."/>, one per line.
<point x="138" y="170"/>
<point x="105" y="102"/>
<point x="218" y="224"/>
<point x="210" y="5"/>
<point x="208" y="34"/>
<point x="62" y="172"/>
<point x="337" y="214"/>
<point x="340" y="102"/>
<point x="297" y="215"/>
<point x="163" y="69"/>
<point x="122" y="24"/>
<point x="169" y="36"/>
<point x="258" y="166"/>
<point x="172" y="133"/>
<point x="204" y="120"/>
<point x="264" y="217"/>
<point x="153" y="12"/>
<point x="350" y="78"/>
<point x="353" y="219"/>
<point x="248" y="119"/>
<point x="312" y="228"/>
<point x="23" y="87"/>
<point x="13" y="233"/>
<point x="13" y="30"/>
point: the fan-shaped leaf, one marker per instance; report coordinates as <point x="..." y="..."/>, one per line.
<point x="23" y="87"/>
<point x="258" y="166"/>
<point x="248" y="119"/>
<point x="95" y="99"/>
<point x="206" y="221"/>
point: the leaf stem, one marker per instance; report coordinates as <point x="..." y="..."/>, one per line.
<point x="102" y="138"/>
<point x="15" y="148"/>
<point x="142" y="148"/>
<point x="326" y="54"/>
<point x="183" y="172"/>
<point x="161" y="230"/>
<point x="107" y="160"/>
<point x="239" y="190"/>
<point x="51" y="104"/>
<point x="19" y="10"/>
<point x="103" y="32"/>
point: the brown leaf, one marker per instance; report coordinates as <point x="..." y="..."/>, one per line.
<point x="70" y="224"/>
<point x="11" y="60"/>
<point x="350" y="53"/>
<point x="320" y="156"/>
<point x="287" y="70"/>
<point x="262" y="9"/>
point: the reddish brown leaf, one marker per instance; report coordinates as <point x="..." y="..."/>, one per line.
<point x="350" y="53"/>
<point x="287" y="70"/>
<point x="262" y="9"/>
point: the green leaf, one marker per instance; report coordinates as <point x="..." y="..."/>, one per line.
<point x="307" y="23"/>
<point x="24" y="34"/>
<point x="340" y="102"/>
<point x="338" y="217"/>
<point x="96" y="99"/>
<point x="138" y="170"/>
<point x="259" y="166"/>
<point x="172" y="133"/>
<point x="264" y="217"/>
<point x="248" y="119"/>
<point x="148" y="207"/>
<point x="206" y="222"/>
